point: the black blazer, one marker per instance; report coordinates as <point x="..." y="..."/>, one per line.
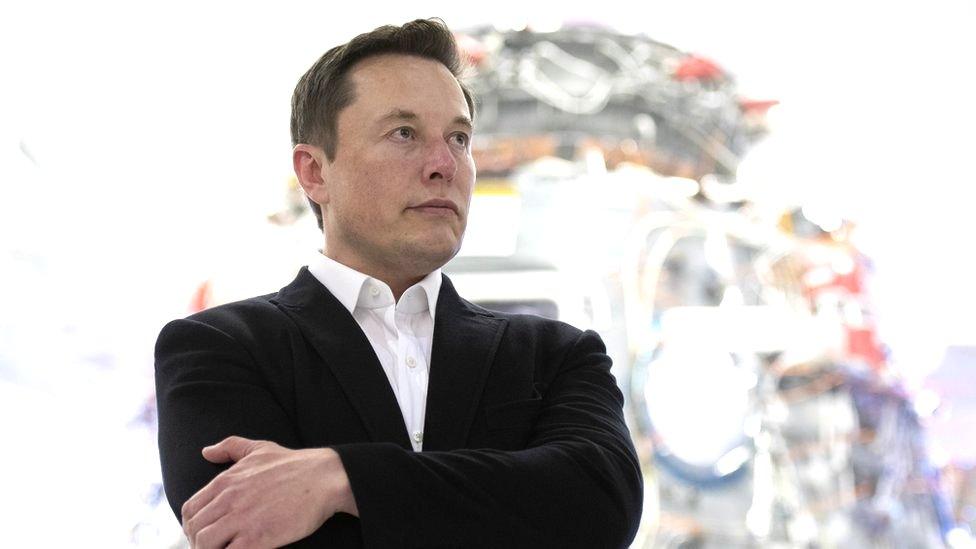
<point x="524" y="443"/>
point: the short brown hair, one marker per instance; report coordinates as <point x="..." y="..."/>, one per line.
<point x="325" y="89"/>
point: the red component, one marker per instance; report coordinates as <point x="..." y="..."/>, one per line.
<point x="201" y="297"/>
<point x="472" y="49"/>
<point x="694" y="67"/>
<point x="862" y="343"/>
<point x="848" y="290"/>
<point x="757" y="106"/>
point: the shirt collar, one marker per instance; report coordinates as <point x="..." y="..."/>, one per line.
<point x="353" y="288"/>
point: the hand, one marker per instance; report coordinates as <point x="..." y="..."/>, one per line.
<point x="269" y="497"/>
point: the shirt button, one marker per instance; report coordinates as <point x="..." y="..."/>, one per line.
<point x="411" y="362"/>
<point x="418" y="437"/>
<point x="374" y="291"/>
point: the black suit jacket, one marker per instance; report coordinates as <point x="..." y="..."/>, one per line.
<point x="524" y="445"/>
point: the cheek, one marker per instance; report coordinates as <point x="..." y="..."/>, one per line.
<point x="467" y="183"/>
<point x="381" y="194"/>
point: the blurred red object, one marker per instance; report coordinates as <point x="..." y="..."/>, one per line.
<point x="472" y="48"/>
<point x="694" y="67"/>
<point x="201" y="297"/>
<point x="842" y="283"/>
<point x="756" y="106"/>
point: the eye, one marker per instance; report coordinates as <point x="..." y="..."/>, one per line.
<point x="403" y="133"/>
<point x="460" y="139"/>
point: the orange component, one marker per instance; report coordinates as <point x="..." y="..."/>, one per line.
<point x="756" y="106"/>
<point x="201" y="297"/>
<point x="472" y="48"/>
<point x="694" y="67"/>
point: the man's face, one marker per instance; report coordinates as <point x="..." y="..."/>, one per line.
<point x="399" y="187"/>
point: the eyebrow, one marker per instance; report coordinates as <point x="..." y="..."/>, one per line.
<point x="410" y="116"/>
<point x="398" y="114"/>
<point x="462" y="120"/>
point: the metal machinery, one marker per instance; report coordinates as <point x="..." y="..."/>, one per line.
<point x="578" y="131"/>
<point x="607" y="198"/>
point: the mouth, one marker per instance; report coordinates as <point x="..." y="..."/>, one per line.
<point x="437" y="206"/>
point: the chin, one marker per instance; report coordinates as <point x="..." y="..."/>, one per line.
<point x="428" y="256"/>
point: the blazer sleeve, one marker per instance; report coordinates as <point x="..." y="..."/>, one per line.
<point x="207" y="388"/>
<point x="577" y="484"/>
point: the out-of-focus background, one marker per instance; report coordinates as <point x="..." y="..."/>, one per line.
<point x="764" y="208"/>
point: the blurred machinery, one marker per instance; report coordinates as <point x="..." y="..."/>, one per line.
<point x="757" y="388"/>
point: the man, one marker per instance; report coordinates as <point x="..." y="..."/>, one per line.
<point x="366" y="403"/>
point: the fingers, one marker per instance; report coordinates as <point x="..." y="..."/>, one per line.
<point x="270" y="496"/>
<point x="239" y="542"/>
<point x="215" y="535"/>
<point x="195" y="524"/>
<point x="202" y="498"/>
<point x="236" y="544"/>
<point x="232" y="448"/>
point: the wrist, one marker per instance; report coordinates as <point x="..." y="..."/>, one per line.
<point x="338" y="490"/>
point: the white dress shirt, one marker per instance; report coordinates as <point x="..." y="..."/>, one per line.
<point x="401" y="333"/>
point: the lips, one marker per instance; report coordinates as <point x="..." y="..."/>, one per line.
<point x="437" y="203"/>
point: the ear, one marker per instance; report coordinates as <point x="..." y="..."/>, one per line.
<point x="308" y="161"/>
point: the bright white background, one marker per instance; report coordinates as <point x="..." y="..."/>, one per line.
<point x="141" y="142"/>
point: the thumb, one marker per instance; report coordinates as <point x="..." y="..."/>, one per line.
<point x="230" y="449"/>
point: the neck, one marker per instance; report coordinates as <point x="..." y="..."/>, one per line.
<point x="391" y="275"/>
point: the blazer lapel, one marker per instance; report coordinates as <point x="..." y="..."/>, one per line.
<point x="333" y="332"/>
<point x="464" y="345"/>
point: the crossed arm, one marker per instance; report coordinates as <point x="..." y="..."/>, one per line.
<point x="270" y="496"/>
<point x="576" y="484"/>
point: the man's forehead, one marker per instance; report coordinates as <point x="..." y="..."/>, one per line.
<point x="391" y="82"/>
<point x="393" y="63"/>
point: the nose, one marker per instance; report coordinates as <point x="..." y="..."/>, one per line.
<point x="441" y="165"/>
